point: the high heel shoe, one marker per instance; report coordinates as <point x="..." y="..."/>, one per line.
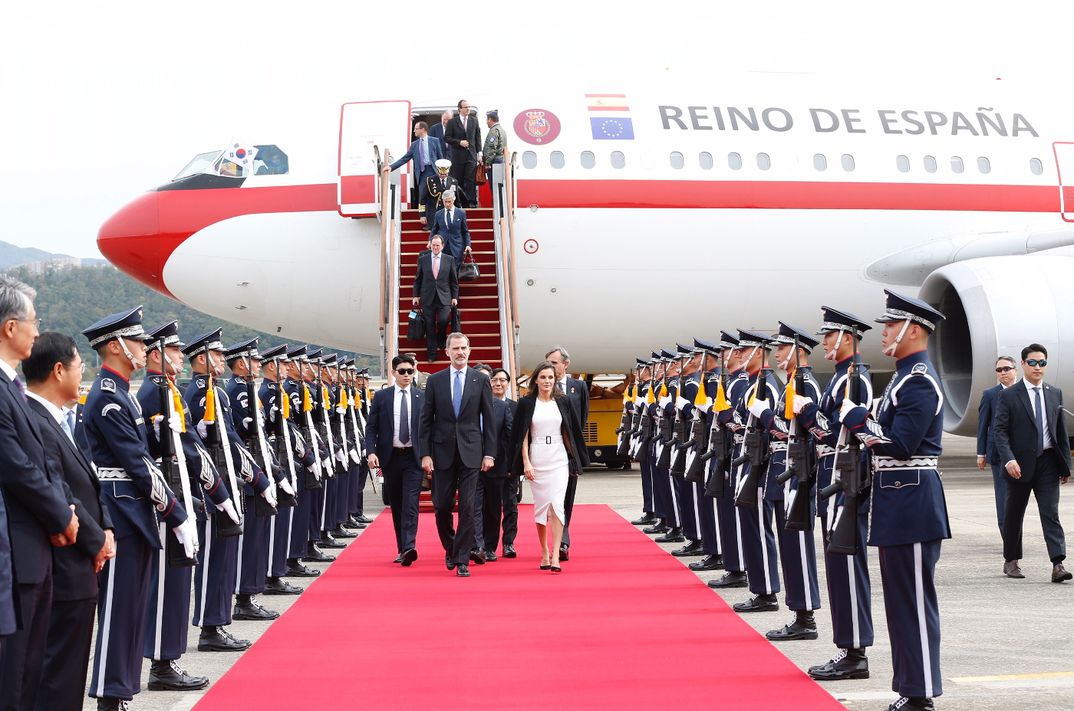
<point x="555" y="568"/>
<point x="545" y="567"/>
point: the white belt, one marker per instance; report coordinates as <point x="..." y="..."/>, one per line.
<point x="548" y="439"/>
<point x="890" y="463"/>
<point x="737" y="439"/>
<point x="824" y="450"/>
<point x="777" y="446"/>
<point x="112" y="474"/>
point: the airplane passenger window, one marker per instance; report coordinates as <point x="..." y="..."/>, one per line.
<point x="677" y="161"/>
<point x="820" y="161"/>
<point x="1036" y="166"/>
<point x="704" y="159"/>
<point x="764" y="162"/>
<point x="930" y="164"/>
<point x="556" y="159"/>
<point x="529" y="160"/>
<point x="618" y="160"/>
<point x="588" y="159"/>
<point x="956" y="164"/>
<point x="270" y="160"/>
<point x="734" y="161"/>
<point x="848" y="162"/>
<point x="902" y="163"/>
<point x="984" y="165"/>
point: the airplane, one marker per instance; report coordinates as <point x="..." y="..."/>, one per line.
<point x="637" y="215"/>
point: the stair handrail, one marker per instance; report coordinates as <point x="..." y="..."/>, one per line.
<point x="504" y="232"/>
<point x="389" y="216"/>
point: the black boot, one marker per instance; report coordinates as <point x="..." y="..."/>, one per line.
<point x="166" y="675"/>
<point x="279" y="586"/>
<point x="218" y="639"/>
<point x="803" y="627"/>
<point x="674" y="535"/>
<point x="758" y="603"/>
<point x="340" y="532"/>
<point x="709" y="562"/>
<point x="846" y="664"/>
<point x="247" y="609"/>
<point x="295" y="569"/>
<point x="647" y="519"/>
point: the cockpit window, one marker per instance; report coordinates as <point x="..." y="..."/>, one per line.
<point x="201" y="163"/>
<point x="238" y="161"/>
<point x="270" y="160"/>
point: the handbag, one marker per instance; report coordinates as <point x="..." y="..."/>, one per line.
<point x="415" y="326"/>
<point x="468" y="270"/>
<point x="479" y="175"/>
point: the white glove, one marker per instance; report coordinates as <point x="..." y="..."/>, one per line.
<point x="229" y="508"/>
<point x="246" y="422"/>
<point x="269" y="495"/>
<point x="341" y="457"/>
<point x="326" y="464"/>
<point x="758" y="407"/>
<point x="340" y="410"/>
<point x="846" y="407"/>
<point x="285" y="484"/>
<point x="174" y="424"/>
<point x="800" y="401"/>
<point x="355" y="457"/>
<point x="187" y="534"/>
<point x="203" y="428"/>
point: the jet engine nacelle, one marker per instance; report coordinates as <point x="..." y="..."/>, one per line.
<point x="996" y="306"/>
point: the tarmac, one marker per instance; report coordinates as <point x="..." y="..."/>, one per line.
<point x="1005" y="643"/>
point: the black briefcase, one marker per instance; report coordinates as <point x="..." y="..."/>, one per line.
<point x="415" y="326"/>
<point x="456" y="323"/>
<point x="468" y="270"/>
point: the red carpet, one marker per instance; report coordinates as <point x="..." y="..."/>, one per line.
<point x="625" y="625"/>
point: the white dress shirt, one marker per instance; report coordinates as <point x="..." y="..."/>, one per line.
<point x="396" y="442"/>
<point x="8" y="370"/>
<point x="57" y="413"/>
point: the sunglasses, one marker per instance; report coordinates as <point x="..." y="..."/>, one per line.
<point x="405" y="371"/>
<point x="1005" y="369"/>
<point x="1035" y="362"/>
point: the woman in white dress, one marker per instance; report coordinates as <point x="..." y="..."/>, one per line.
<point x="551" y="450"/>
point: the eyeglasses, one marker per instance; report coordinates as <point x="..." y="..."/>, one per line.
<point x="499" y="380"/>
<point x="1004" y="369"/>
<point x="405" y="371"/>
<point x="81" y="367"/>
<point x="35" y="321"/>
<point x="1036" y="362"/>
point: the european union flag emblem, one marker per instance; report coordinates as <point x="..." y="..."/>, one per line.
<point x="608" y="128"/>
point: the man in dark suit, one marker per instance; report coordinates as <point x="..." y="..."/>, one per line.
<point x="491" y="484"/>
<point x="1006" y="375"/>
<point x="424" y="151"/>
<point x="578" y="394"/>
<point x="501" y="382"/>
<point x="53" y="374"/>
<point x="40" y="514"/>
<point x="1031" y="438"/>
<point x="436" y="290"/>
<point x="393" y="427"/>
<point x="463" y="135"/>
<point x="453" y="445"/>
<point x="450" y="223"/>
<point x="439" y="130"/>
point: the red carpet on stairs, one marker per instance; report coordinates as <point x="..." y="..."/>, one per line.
<point x="625" y="625"/>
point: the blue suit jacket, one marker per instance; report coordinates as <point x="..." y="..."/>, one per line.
<point x="436" y="152"/>
<point x="380" y="428"/>
<point x="986" y="412"/>
<point x="455" y="232"/>
<point x="437" y="131"/>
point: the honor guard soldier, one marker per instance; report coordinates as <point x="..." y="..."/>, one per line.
<point x="334" y="489"/>
<point x="792" y="450"/>
<point x="365" y="393"/>
<point x="349" y="459"/>
<point x="687" y="494"/>
<point x="754" y="506"/>
<point x="696" y="465"/>
<point x="642" y="386"/>
<point x="314" y="376"/>
<point x="247" y="421"/>
<point x="292" y="456"/>
<point x="908" y="514"/>
<point x="847" y="574"/>
<point x="735" y="387"/>
<point x="356" y="518"/>
<point x="134" y="489"/>
<point x="180" y="455"/>
<point x="669" y="528"/>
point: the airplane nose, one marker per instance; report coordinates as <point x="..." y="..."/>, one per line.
<point x="131" y="240"/>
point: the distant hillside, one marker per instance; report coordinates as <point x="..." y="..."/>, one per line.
<point x="70" y="298"/>
<point x="12" y="255"/>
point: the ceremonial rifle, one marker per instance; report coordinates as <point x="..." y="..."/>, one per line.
<point x="664" y="427"/>
<point x="283" y="438"/>
<point x="719" y="447"/>
<point x="801" y="456"/>
<point x="678" y="436"/>
<point x="173" y="467"/>
<point x="216" y="440"/>
<point x="311" y="431"/>
<point x="755" y="443"/>
<point x="695" y="446"/>
<point x="261" y="506"/>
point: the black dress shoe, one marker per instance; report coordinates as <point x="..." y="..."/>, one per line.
<point x="340" y="532"/>
<point x="729" y="580"/>
<point x="477" y="557"/>
<point x="646" y="520"/>
<point x="463" y="571"/>
<point x="509" y="551"/>
<point x="217" y="639"/>
<point x="314" y="555"/>
<point x="564" y="554"/>
<point x="106" y="704"/>
<point x="359" y="526"/>
<point x="277" y="586"/>
<point x="906" y="703"/>
<point x="252" y="611"/>
<point x="674" y="535"/>
<point x="398" y="558"/>
<point x="658" y="527"/>
<point x="691" y="548"/>
<point x="449" y="562"/>
<point x="709" y="562"/>
<point x="408" y="556"/>
<point x="846" y="664"/>
<point x="758" y="603"/>
<point x="327" y="541"/>
<point x="803" y="627"/>
<point x="362" y="518"/>
<point x="1059" y="574"/>
<point x="490" y="556"/>
<point x="166" y="675"/>
<point x="295" y="569"/>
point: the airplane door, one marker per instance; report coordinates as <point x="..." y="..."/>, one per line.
<point x="364" y="125"/>
<point x="1064" y="160"/>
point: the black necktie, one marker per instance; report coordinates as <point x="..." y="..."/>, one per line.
<point x="1038" y="406"/>
<point x="404" y="420"/>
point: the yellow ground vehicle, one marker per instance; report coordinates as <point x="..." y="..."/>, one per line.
<point x="605" y="414"/>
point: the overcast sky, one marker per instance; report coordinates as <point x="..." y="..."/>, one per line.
<point x="100" y="101"/>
